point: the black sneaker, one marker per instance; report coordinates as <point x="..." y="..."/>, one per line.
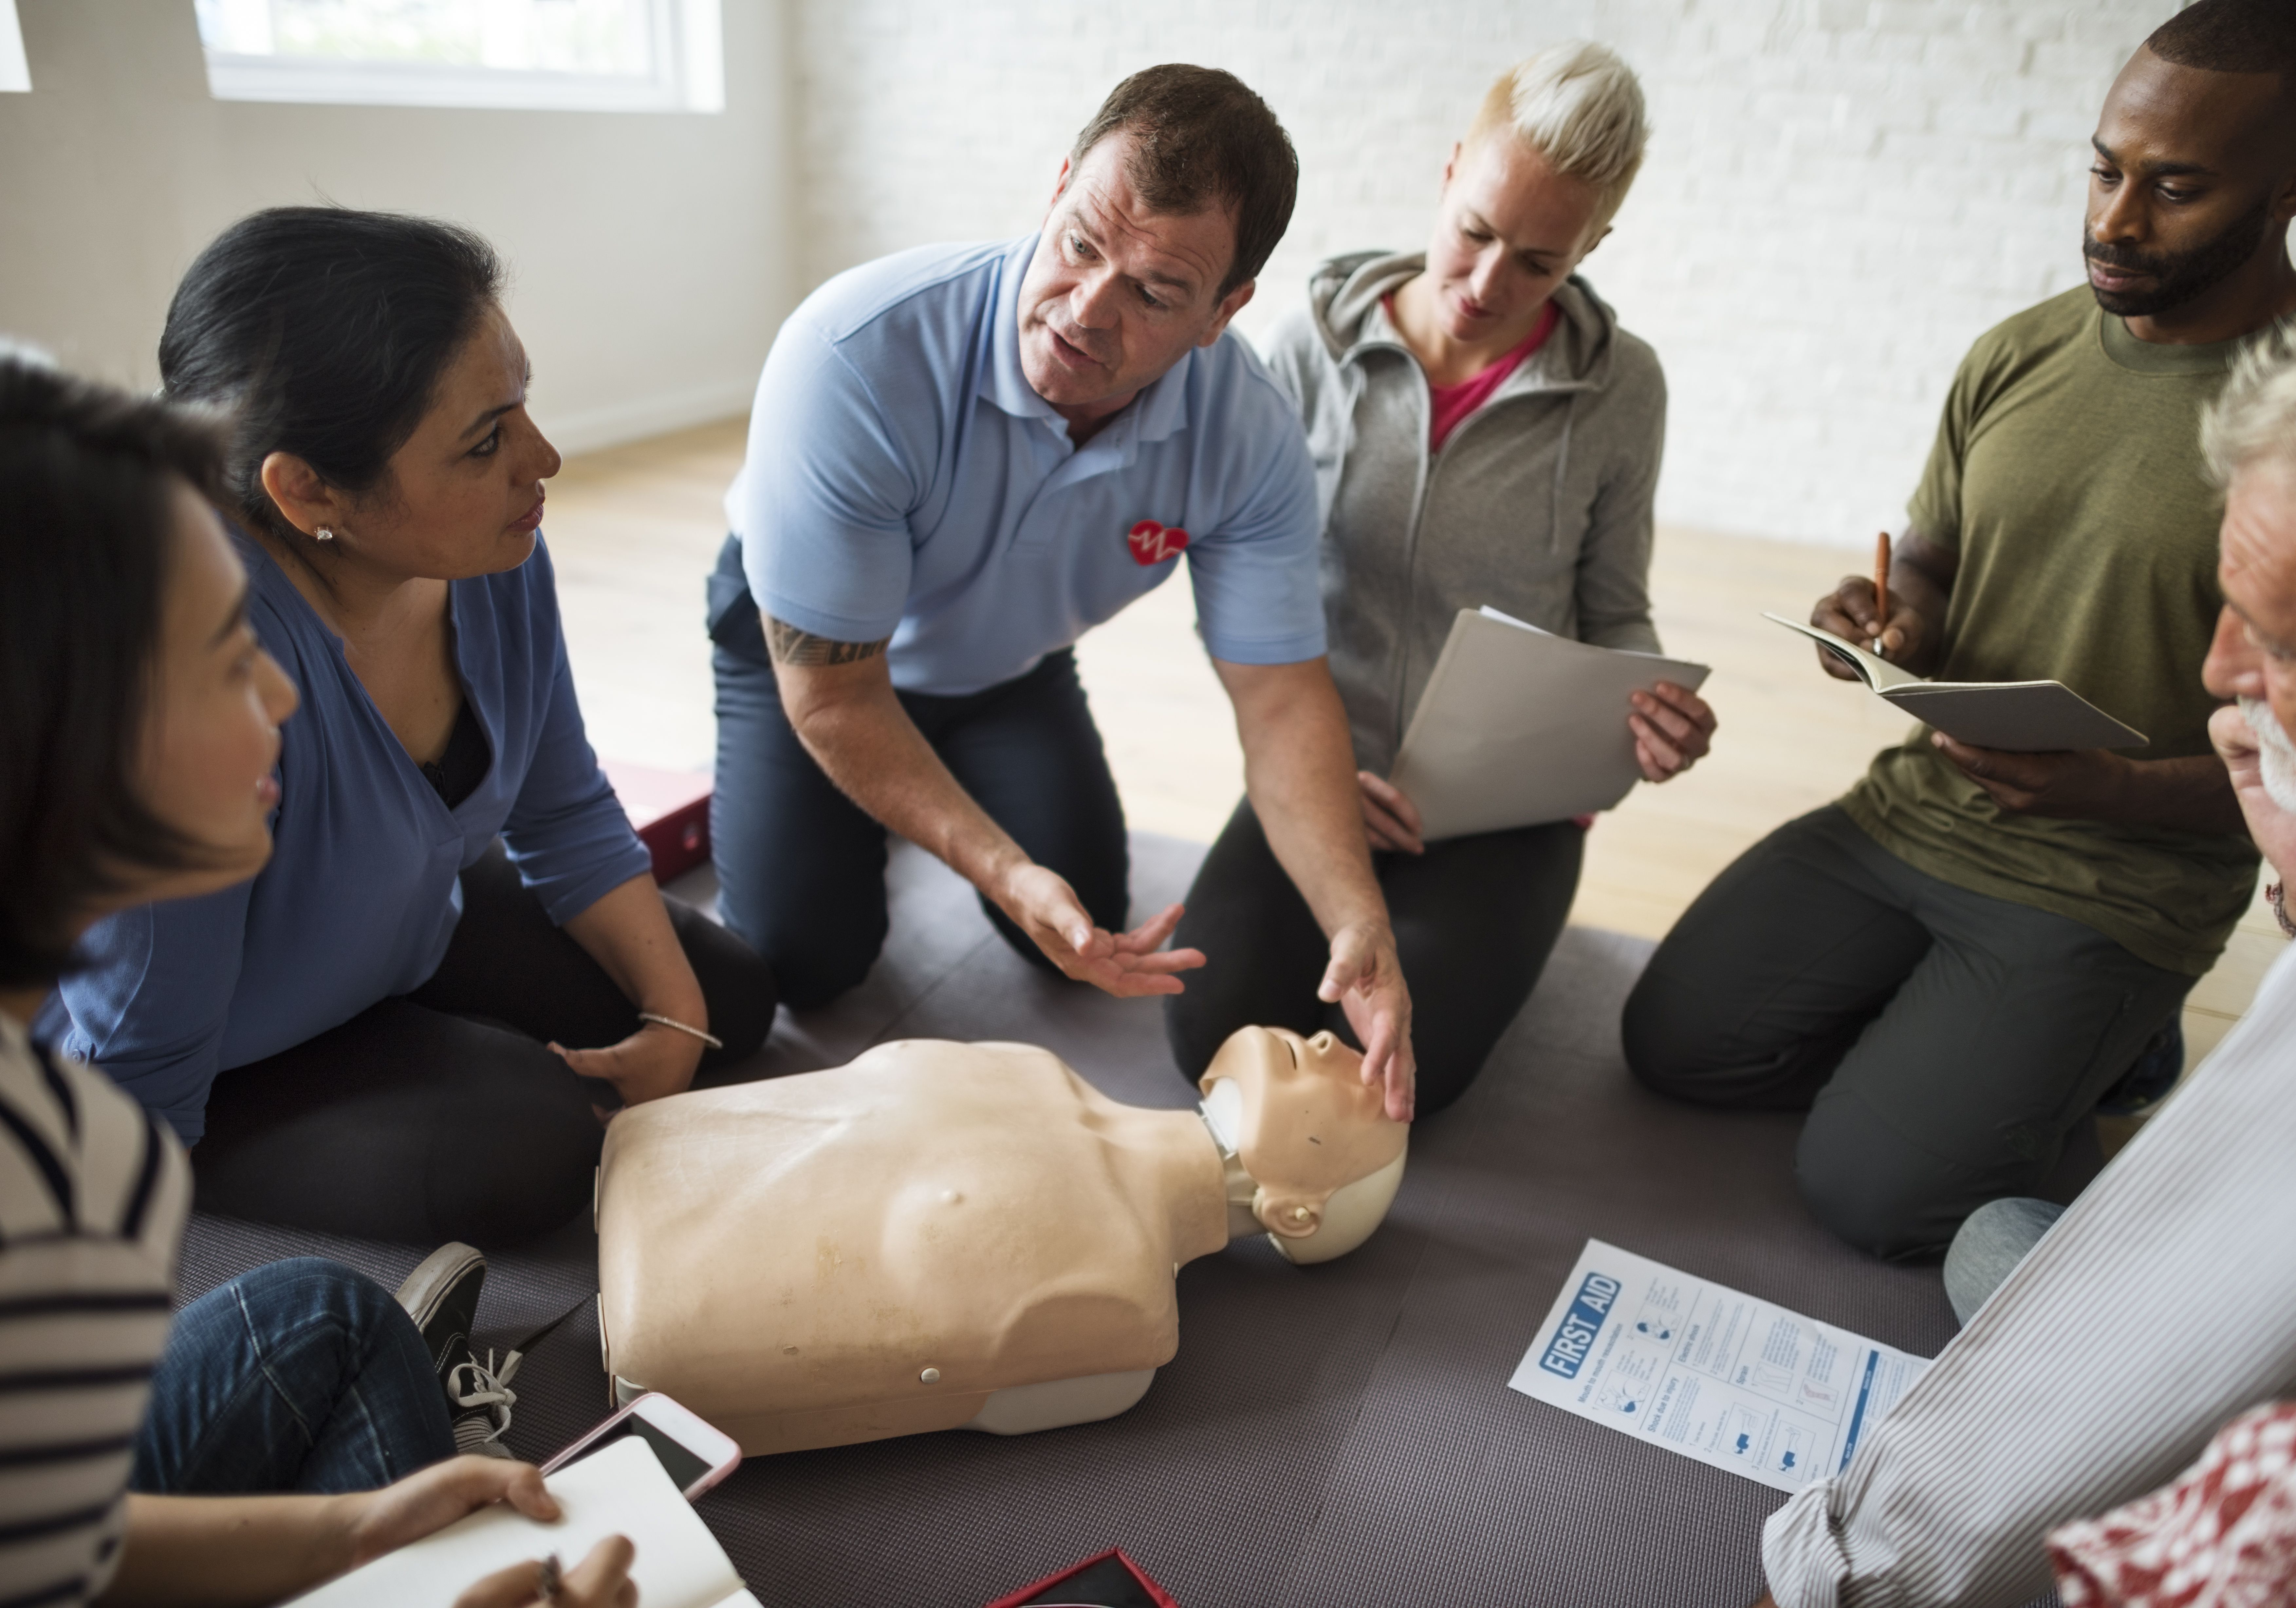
<point x="2151" y="1077"/>
<point x="442" y="1297"/>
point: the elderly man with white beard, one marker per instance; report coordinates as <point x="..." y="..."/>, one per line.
<point x="2105" y="1344"/>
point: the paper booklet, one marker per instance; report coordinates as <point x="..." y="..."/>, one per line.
<point x="1518" y="726"/>
<point x="1695" y="1367"/>
<point x="622" y="1489"/>
<point x="2020" y="717"/>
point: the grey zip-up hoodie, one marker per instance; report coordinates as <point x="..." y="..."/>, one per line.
<point x="1538" y="505"/>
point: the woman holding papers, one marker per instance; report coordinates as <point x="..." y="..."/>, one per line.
<point x="1484" y="434"/>
<point x="141" y="719"/>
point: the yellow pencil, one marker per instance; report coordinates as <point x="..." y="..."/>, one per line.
<point x="1881" y="588"/>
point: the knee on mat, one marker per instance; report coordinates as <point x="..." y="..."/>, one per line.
<point x="809" y="975"/>
<point x="518" y="1176"/>
<point x="1890" y="1207"/>
<point x="1663" y="1035"/>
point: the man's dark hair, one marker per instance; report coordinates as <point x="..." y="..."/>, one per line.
<point x="2231" y="36"/>
<point x="1200" y="139"/>
<point x="86" y="479"/>
<point x="325" y="331"/>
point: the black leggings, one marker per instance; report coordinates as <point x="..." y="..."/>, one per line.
<point x="1475" y="918"/>
<point x="801" y="868"/>
<point x="443" y="1115"/>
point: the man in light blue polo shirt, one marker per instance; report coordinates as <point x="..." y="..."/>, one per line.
<point x="961" y="458"/>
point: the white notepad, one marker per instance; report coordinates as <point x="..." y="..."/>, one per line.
<point x="1518" y="726"/>
<point x="2016" y="717"/>
<point x="1693" y="1367"/>
<point x="621" y="1490"/>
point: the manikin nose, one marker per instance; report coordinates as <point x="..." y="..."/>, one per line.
<point x="1321" y="1043"/>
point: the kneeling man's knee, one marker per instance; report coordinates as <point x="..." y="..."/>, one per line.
<point x="1664" y="1035"/>
<point x="1872" y="1189"/>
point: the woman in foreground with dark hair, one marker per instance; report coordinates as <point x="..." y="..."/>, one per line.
<point x="398" y="1028"/>
<point x="141" y="720"/>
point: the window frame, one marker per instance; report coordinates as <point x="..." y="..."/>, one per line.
<point x="689" y="75"/>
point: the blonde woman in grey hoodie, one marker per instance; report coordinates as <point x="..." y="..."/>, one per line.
<point x="1483" y="433"/>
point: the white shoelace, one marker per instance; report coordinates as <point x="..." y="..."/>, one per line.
<point x="480" y="1384"/>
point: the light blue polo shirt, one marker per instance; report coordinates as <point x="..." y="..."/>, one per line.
<point x="904" y="480"/>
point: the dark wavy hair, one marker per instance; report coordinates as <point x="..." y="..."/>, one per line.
<point x="86" y="477"/>
<point x="1202" y="139"/>
<point x="325" y="331"/>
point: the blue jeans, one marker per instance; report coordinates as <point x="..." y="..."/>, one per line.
<point x="302" y="1375"/>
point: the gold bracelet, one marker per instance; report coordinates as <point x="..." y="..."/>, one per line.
<point x="662" y="1021"/>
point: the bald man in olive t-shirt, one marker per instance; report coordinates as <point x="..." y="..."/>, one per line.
<point x="1950" y="966"/>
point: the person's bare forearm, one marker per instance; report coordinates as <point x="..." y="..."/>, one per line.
<point x="850" y="720"/>
<point x="196" y="1551"/>
<point x="628" y="934"/>
<point x="1299" y="774"/>
<point x="2191" y="794"/>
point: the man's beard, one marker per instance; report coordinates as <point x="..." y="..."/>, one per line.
<point x="2276" y="754"/>
<point x="2177" y="276"/>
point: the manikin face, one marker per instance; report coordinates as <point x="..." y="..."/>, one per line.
<point x="1117" y="294"/>
<point x="2253" y="658"/>
<point x="1508" y="231"/>
<point x="1313" y="1135"/>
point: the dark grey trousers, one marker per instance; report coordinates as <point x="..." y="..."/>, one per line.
<point x="1944" y="1043"/>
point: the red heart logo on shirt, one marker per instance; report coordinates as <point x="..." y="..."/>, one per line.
<point x="1153" y="544"/>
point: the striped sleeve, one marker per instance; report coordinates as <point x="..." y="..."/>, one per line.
<point x="93" y="1196"/>
<point x="2159" y="1307"/>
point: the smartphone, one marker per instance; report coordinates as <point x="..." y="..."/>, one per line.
<point x="696" y="1454"/>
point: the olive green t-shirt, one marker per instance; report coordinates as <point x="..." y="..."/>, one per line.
<point x="2068" y="476"/>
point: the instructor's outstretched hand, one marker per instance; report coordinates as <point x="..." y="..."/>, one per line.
<point x="1365" y="980"/>
<point x="1127" y="965"/>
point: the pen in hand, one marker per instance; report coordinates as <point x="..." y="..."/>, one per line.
<point x="1880" y="587"/>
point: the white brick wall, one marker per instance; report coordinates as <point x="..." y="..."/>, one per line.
<point x="1841" y="194"/>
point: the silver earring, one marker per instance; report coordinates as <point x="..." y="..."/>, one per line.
<point x="323" y="533"/>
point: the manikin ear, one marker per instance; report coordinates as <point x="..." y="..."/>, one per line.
<point x="303" y="498"/>
<point x="1450" y="167"/>
<point x="1232" y="304"/>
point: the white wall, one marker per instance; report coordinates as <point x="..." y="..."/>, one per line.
<point x="651" y="252"/>
<point x="1840" y="195"/>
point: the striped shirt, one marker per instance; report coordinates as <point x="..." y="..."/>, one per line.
<point x="2159" y="1307"/>
<point x="93" y="1194"/>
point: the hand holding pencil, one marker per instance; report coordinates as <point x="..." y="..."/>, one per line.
<point x="1862" y="609"/>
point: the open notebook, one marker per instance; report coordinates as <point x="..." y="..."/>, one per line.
<point x="1518" y="726"/>
<point x="2017" y="717"/>
<point x="621" y="1490"/>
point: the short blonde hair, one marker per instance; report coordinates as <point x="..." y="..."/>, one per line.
<point x="2254" y="417"/>
<point x="1579" y="106"/>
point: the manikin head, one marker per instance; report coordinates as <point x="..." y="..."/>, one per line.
<point x="1313" y="1136"/>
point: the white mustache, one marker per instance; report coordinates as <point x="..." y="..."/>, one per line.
<point x="2275" y="753"/>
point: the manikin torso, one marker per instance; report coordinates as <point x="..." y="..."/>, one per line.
<point x="941" y="1236"/>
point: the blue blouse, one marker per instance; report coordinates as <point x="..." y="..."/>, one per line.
<point x="364" y="887"/>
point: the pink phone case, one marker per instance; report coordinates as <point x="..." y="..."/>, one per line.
<point x="599" y="1431"/>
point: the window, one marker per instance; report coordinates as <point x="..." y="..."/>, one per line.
<point x="579" y="55"/>
<point x="14" y="72"/>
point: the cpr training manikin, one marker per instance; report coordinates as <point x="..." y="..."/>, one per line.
<point x="946" y="1236"/>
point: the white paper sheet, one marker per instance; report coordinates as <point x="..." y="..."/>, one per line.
<point x="1518" y="726"/>
<point x="1696" y="1368"/>
<point x="619" y="1490"/>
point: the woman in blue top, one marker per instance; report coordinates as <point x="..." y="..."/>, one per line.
<point x="399" y="1029"/>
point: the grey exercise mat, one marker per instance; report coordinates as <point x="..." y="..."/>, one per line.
<point x="1327" y="1437"/>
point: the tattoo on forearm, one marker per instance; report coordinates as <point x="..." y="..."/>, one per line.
<point x="790" y="646"/>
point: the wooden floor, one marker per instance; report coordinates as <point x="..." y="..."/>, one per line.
<point x="634" y="529"/>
